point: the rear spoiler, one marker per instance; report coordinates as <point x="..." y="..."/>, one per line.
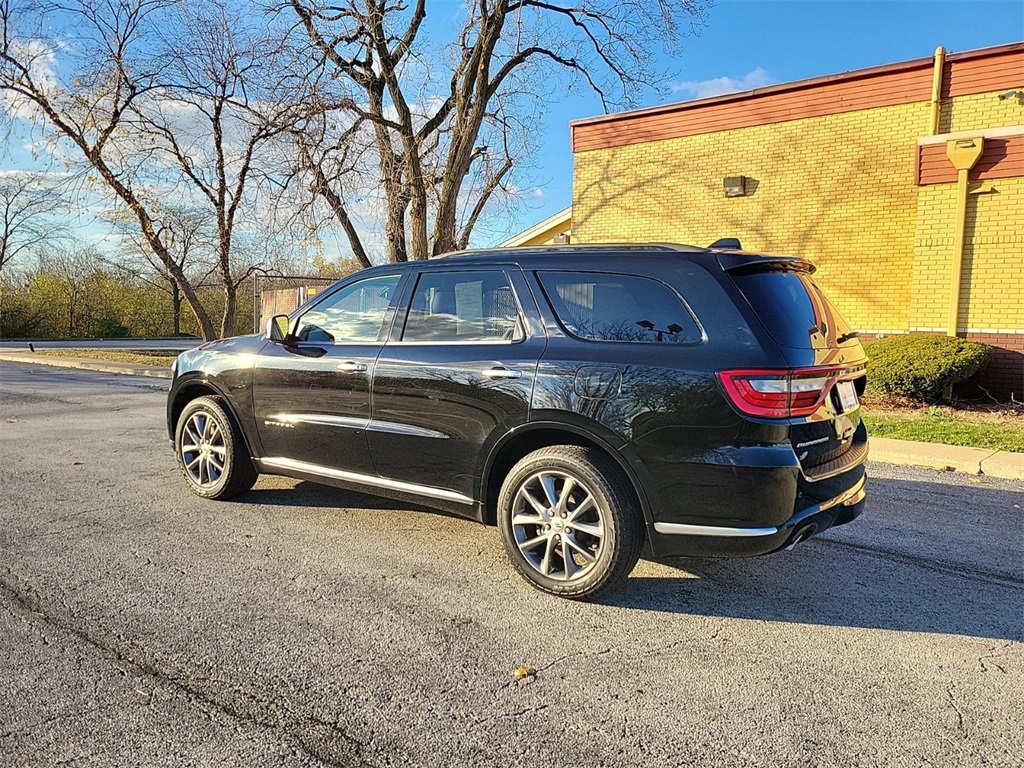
<point x="748" y="263"/>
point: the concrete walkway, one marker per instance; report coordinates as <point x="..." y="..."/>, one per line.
<point x="86" y="364"/>
<point x="949" y="458"/>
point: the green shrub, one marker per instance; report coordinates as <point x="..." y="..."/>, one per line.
<point x="923" y="367"/>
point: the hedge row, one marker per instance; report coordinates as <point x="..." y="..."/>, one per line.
<point x="923" y="367"/>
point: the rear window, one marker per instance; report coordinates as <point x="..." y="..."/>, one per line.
<point x="609" y="307"/>
<point x="463" y="306"/>
<point x="794" y="309"/>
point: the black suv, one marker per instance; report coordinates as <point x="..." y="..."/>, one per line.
<point x="588" y="400"/>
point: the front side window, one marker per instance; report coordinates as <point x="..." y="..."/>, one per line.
<point x="463" y="306"/>
<point x="354" y="314"/>
<point x="609" y="307"/>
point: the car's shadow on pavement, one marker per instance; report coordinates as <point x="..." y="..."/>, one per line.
<point x="307" y="494"/>
<point x="826" y="585"/>
<point x="911" y="564"/>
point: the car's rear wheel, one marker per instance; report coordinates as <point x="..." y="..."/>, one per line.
<point x="569" y="521"/>
<point x="212" y="454"/>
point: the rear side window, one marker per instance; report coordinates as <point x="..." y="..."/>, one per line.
<point x="463" y="307"/>
<point x="794" y="309"/>
<point x="608" y="307"/>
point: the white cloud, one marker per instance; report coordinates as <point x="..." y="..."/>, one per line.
<point x="538" y="193"/>
<point x="702" y="89"/>
<point x="42" y="61"/>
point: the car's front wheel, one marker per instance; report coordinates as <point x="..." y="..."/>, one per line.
<point x="569" y="521"/>
<point x="212" y="454"/>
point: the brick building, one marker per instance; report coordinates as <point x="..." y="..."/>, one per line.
<point x="857" y="172"/>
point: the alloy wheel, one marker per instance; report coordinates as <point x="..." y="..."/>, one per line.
<point x="558" y="525"/>
<point x="203" y="449"/>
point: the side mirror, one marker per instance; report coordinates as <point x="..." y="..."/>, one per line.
<point x="278" y="328"/>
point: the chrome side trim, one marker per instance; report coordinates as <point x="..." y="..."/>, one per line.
<point x="323" y="419"/>
<point x="394" y="427"/>
<point x="374" y="425"/>
<point x="685" y="529"/>
<point x="281" y="462"/>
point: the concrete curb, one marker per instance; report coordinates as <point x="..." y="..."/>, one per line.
<point x="130" y="369"/>
<point x="950" y="458"/>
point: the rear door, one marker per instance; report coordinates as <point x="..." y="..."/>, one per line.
<point x="456" y="376"/>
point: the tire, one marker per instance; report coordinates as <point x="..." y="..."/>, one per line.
<point x="215" y="440"/>
<point x="539" y="535"/>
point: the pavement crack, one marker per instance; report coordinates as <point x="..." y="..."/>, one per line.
<point x="993" y="653"/>
<point x="959" y="714"/>
<point x="316" y="737"/>
<point x="54" y="719"/>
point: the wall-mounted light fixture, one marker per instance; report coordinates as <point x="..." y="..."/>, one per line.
<point x="735" y="186"/>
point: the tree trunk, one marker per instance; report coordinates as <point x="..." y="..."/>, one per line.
<point x="227" y="323"/>
<point x="157" y="245"/>
<point x="176" y="308"/>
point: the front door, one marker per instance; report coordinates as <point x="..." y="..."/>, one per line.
<point x="457" y="375"/>
<point x="311" y="398"/>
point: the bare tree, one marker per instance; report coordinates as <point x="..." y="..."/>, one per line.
<point x="87" y="102"/>
<point x="28" y="210"/>
<point x="190" y="238"/>
<point x="425" y="125"/>
<point x="227" y="101"/>
<point x="72" y="269"/>
<point x="161" y="99"/>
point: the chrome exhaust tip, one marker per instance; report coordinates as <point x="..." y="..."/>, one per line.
<point x="801" y="536"/>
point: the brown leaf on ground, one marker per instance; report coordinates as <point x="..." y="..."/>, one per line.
<point x="520" y="672"/>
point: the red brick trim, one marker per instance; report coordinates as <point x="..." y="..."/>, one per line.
<point x="1003" y="377"/>
<point x="1002" y="158"/>
<point x="904" y="82"/>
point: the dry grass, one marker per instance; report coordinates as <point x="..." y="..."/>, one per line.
<point x="153" y="360"/>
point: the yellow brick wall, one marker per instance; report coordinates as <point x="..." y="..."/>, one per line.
<point x="933" y="254"/>
<point x="992" y="291"/>
<point x="992" y="283"/>
<point x="839" y="190"/>
<point x="979" y="110"/>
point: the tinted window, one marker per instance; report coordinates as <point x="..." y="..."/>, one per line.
<point x="463" y="306"/>
<point x="353" y="314"/>
<point x="793" y="309"/>
<point x="606" y="307"/>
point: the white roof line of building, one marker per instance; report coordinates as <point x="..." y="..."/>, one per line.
<point x="552" y="220"/>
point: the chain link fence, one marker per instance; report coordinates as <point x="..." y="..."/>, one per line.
<point x="281" y="294"/>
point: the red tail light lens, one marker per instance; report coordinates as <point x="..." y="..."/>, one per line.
<point x="778" y="393"/>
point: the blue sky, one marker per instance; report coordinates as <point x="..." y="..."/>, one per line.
<point x="759" y="42"/>
<point x="745" y="44"/>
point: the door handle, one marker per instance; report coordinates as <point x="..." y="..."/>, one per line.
<point x="500" y="372"/>
<point x="351" y="367"/>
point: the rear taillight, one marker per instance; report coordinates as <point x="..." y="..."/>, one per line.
<point x="778" y="393"/>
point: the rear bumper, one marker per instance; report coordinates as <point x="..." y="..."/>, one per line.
<point x="684" y="540"/>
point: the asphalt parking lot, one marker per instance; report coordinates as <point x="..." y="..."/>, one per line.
<point x="305" y="625"/>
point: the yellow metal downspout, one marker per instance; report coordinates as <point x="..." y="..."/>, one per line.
<point x="963" y="153"/>
<point x="940" y="63"/>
